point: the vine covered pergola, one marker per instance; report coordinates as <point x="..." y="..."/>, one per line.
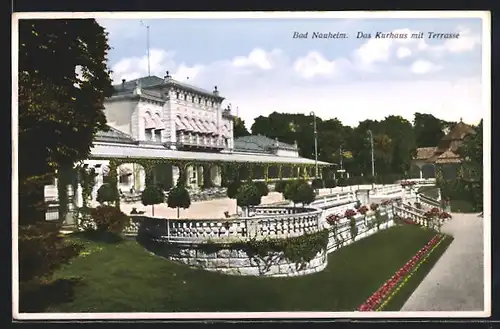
<point x="244" y="166"/>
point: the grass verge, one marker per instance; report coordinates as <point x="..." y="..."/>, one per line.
<point x="123" y="277"/>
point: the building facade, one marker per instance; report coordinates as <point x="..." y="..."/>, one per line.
<point x="444" y="157"/>
<point x="162" y="118"/>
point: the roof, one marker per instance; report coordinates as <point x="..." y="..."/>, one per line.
<point x="114" y="135"/>
<point x="259" y="143"/>
<point x="424" y="153"/>
<point x="447" y="157"/>
<point x="123" y="151"/>
<point x="151" y="82"/>
<point x="458" y="132"/>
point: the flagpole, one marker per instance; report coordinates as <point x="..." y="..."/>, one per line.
<point x="147" y="47"/>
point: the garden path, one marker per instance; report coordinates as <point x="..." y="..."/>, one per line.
<point x="455" y="283"/>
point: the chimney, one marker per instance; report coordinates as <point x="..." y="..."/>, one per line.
<point x="216" y="92"/>
<point x="295" y="144"/>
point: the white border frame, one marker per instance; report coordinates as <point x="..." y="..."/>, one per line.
<point x="486" y="84"/>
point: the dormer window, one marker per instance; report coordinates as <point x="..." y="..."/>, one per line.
<point x="185" y="97"/>
<point x="212" y="103"/>
<point x="192" y="99"/>
<point x="177" y="95"/>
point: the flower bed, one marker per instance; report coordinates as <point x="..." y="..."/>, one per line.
<point x="378" y="300"/>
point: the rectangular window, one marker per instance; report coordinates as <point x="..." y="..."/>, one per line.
<point x="158" y="135"/>
<point x="149" y="134"/>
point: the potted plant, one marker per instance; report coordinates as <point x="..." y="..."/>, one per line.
<point x="248" y="195"/>
<point x="106" y="194"/>
<point x="152" y="195"/>
<point x="178" y="197"/>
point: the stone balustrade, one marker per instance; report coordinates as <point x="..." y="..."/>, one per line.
<point x="264" y="222"/>
<point x="366" y="226"/>
<point x="403" y="211"/>
<point x="386" y="189"/>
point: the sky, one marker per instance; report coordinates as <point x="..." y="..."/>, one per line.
<point x="259" y="67"/>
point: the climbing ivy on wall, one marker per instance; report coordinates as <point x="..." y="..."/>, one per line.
<point x="298" y="250"/>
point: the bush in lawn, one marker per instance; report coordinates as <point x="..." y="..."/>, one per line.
<point x="42" y="250"/>
<point x="178" y="197"/>
<point x="152" y="195"/>
<point x="109" y="219"/>
<point x="248" y="195"/>
<point x="106" y="194"/>
<point x="280" y="186"/>
<point x="262" y="187"/>
<point x="317" y="183"/>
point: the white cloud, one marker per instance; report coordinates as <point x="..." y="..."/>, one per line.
<point x="314" y="64"/>
<point x="422" y="66"/>
<point x="466" y="42"/>
<point x="403" y="52"/>
<point x="265" y="81"/>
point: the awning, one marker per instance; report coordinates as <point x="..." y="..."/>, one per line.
<point x="188" y="124"/>
<point x="148" y="121"/>
<point x="179" y="125"/>
<point x="196" y="125"/>
<point x="158" y="122"/>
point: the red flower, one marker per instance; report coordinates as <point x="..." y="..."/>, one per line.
<point x="349" y="213"/>
<point x="374" y="206"/>
<point x="363" y="210"/>
<point x="444" y="215"/>
<point x="332" y="219"/>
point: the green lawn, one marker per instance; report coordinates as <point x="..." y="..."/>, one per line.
<point x="123" y="277"/>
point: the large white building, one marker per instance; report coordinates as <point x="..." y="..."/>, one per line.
<point x="162" y="118"/>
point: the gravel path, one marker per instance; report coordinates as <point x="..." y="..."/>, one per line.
<point x="455" y="283"/>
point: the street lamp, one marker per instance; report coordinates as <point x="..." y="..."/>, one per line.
<point x="315" y="145"/>
<point x="373" y="158"/>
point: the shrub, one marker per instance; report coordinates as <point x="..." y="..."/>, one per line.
<point x="107" y="194"/>
<point x="317" y="183"/>
<point x="280" y="186"/>
<point x="300" y="192"/>
<point x="248" y="195"/>
<point x="305" y="194"/>
<point x="341" y="182"/>
<point x="262" y="187"/>
<point x="152" y="195"/>
<point x="330" y="183"/>
<point x="42" y="250"/>
<point x="178" y="198"/>
<point x="232" y="189"/>
<point x="109" y="219"/>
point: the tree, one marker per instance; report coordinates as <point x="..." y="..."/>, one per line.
<point x="106" y="194"/>
<point x="59" y="113"/>
<point x="471" y="152"/>
<point x="428" y="130"/>
<point x="239" y="128"/>
<point x="178" y="197"/>
<point x="317" y="183"/>
<point x="248" y="195"/>
<point x="152" y="195"/>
